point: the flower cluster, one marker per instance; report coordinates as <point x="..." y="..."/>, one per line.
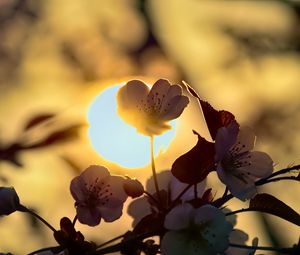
<point x="177" y="205"/>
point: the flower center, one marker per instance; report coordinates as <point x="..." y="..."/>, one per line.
<point x="99" y="193"/>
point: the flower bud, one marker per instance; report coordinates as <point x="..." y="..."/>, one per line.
<point x="9" y="201"/>
<point x="133" y="188"/>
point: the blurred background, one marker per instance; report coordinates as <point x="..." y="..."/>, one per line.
<point x="57" y="56"/>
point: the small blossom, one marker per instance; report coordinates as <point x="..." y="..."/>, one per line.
<point x="9" y="201"/>
<point x="98" y="195"/>
<point x="195" y="231"/>
<point x="133" y="188"/>
<point x="141" y="207"/>
<point x="238" y="166"/>
<point x="149" y="111"/>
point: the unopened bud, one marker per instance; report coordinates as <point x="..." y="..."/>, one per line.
<point x="9" y="201"/>
<point x="133" y="188"/>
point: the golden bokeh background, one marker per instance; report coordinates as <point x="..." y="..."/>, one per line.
<point x="56" y="56"/>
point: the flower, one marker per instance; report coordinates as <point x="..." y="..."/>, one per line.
<point x="150" y="110"/>
<point x="143" y="206"/>
<point x="9" y="201"/>
<point x="238" y="167"/>
<point x="195" y="231"/>
<point x="98" y="195"/>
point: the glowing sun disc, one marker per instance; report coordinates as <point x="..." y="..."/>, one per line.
<point x="117" y="141"/>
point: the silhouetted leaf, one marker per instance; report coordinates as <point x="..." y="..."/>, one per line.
<point x="194" y="166"/>
<point x="213" y="118"/>
<point x="269" y="204"/>
<point x="38" y="119"/>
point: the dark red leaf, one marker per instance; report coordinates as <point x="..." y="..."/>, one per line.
<point x="269" y="204"/>
<point x="215" y="119"/>
<point x="38" y="119"/>
<point x="194" y="166"/>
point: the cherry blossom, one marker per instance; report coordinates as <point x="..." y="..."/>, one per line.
<point x="238" y="167"/>
<point x="149" y="111"/>
<point x="170" y="186"/>
<point x="9" y="201"/>
<point x="98" y="195"/>
<point x="195" y="231"/>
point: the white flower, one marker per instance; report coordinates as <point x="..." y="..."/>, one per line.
<point x="141" y="207"/>
<point x="195" y="231"/>
<point x="238" y="166"/>
<point x="150" y="110"/>
<point x="98" y="195"/>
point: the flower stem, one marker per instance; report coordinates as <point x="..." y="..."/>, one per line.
<point x="241" y="210"/>
<point x="74" y="220"/>
<point x="152" y="197"/>
<point x="110" y="241"/>
<point x="154" y="169"/>
<point x="292" y="250"/>
<point x="25" y="209"/>
<point x="180" y="195"/>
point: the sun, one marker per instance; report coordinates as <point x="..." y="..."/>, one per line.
<point x="115" y="140"/>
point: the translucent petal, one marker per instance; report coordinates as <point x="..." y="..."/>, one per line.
<point x="174" y="108"/>
<point x="261" y="165"/>
<point x="246" y="139"/>
<point x="158" y="93"/>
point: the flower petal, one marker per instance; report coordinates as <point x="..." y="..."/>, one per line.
<point x="246" y="139"/>
<point x="138" y="209"/>
<point x="158" y="93"/>
<point x="94" y="172"/>
<point x="226" y="137"/>
<point x="261" y="165"/>
<point x="217" y="229"/>
<point x="89" y="216"/>
<point x="110" y="214"/>
<point x="242" y="188"/>
<point x="179" y="217"/>
<point x="174" y="108"/>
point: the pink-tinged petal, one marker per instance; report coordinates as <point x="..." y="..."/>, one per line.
<point x="116" y="189"/>
<point x="179" y="217"/>
<point x="88" y="216"/>
<point x="94" y="172"/>
<point x="78" y="189"/>
<point x="246" y="139"/>
<point x="261" y="165"/>
<point x="242" y="187"/>
<point x="174" y="90"/>
<point x="226" y="137"/>
<point x="110" y="214"/>
<point x="158" y="93"/>
<point x="132" y="94"/>
<point x="174" y="108"/>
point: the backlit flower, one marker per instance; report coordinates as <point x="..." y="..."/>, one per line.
<point x="149" y="111"/>
<point x="98" y="195"/>
<point x="9" y="201"/>
<point x="143" y="206"/>
<point x="195" y="231"/>
<point x="238" y="166"/>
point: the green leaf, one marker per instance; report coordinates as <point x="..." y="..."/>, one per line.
<point x="269" y="204"/>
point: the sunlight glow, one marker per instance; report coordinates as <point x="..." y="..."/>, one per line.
<point x="117" y="141"/>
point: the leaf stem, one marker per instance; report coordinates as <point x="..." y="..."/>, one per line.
<point x="110" y="241"/>
<point x="154" y="169"/>
<point x="25" y="209"/>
